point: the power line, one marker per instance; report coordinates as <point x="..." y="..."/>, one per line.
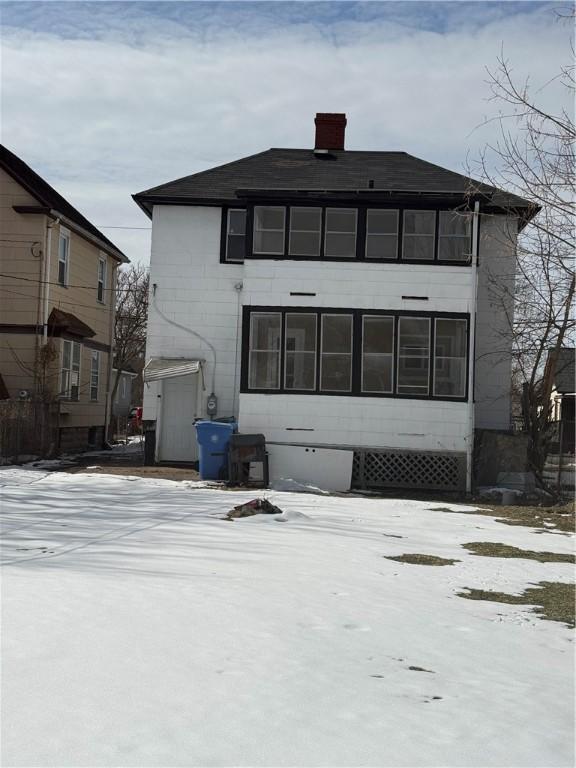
<point x="68" y="285"/>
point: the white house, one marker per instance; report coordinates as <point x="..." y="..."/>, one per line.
<point x="332" y="300"/>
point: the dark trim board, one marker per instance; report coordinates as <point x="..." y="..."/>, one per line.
<point x="27" y="330"/>
<point x="36" y="330"/>
<point x="357" y="315"/>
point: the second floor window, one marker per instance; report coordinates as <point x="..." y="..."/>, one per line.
<point x="63" y="257"/>
<point x="269" y="225"/>
<point x="70" y="371"/>
<point x="101" y="289"/>
<point x="310" y="232"/>
<point x="236" y="235"/>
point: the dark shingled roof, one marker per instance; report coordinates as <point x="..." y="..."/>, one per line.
<point x="338" y="171"/>
<point x="49" y="198"/>
<point x="565" y="379"/>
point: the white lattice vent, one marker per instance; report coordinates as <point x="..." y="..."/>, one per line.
<point x="409" y="469"/>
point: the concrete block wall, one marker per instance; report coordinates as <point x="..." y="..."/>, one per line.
<point x="195" y="291"/>
<point x="494" y="313"/>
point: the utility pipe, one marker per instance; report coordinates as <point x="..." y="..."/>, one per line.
<point x="472" y="351"/>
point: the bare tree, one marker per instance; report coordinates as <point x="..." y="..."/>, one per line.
<point x="533" y="157"/>
<point x="130" y="319"/>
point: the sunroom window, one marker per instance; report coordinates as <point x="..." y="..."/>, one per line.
<point x="264" y="363"/>
<point x="381" y="234"/>
<point x="300" y="352"/>
<point x="305" y="228"/>
<point x="336" y="355"/>
<point x="340" y="236"/>
<point x="419" y="235"/>
<point x="413" y="356"/>
<point x="269" y="225"/>
<point x="450" y="357"/>
<point x="454" y="236"/>
<point x="236" y="235"/>
<point x="377" y="353"/>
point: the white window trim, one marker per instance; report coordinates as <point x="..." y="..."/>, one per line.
<point x="351" y="353"/>
<point x="313" y="352"/>
<point x="64" y="234"/>
<point x="332" y="232"/>
<point x="381" y="354"/>
<point x="430" y="352"/>
<point x="432" y="235"/>
<point x="382" y="234"/>
<point x="305" y="231"/>
<point x="283" y="230"/>
<point x="228" y="235"/>
<point x="277" y="351"/>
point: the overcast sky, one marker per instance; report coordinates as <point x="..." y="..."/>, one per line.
<point x="105" y="99"/>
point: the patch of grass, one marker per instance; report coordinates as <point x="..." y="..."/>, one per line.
<point x="552" y="600"/>
<point x="422" y="559"/>
<point x="547" y="519"/>
<point x="494" y="549"/>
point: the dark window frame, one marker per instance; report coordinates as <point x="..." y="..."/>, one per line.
<point x="357" y="330"/>
<point x="224" y="234"/>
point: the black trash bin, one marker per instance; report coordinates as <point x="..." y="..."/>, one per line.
<point x="244" y="450"/>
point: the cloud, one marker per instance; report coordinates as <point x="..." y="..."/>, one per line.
<point x="105" y="99"/>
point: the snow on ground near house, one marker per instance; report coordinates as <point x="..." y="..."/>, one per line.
<point x="139" y="629"/>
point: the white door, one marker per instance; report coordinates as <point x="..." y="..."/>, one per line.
<point x="177" y="432"/>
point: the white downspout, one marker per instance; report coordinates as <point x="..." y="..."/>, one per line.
<point x="472" y="352"/>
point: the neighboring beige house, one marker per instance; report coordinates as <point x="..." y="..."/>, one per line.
<point x="57" y="282"/>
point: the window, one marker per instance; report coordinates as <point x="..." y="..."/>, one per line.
<point x="94" y="374"/>
<point x="413" y="356"/>
<point x="269" y="224"/>
<point x="340" y="236"/>
<point x="300" y="351"/>
<point x="450" y="357"/>
<point x="454" y="236"/>
<point x="381" y="234"/>
<point x="377" y="353"/>
<point x="70" y="372"/>
<point x="236" y="235"/>
<point x="264" y="362"/>
<point x="368" y="353"/>
<point x="102" y="269"/>
<point x="419" y="235"/>
<point x="305" y="229"/>
<point x="63" y="256"/>
<point x="336" y="355"/>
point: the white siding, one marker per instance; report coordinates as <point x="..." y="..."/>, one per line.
<point x="194" y="290"/>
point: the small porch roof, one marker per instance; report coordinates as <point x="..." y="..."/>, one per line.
<point x="158" y="368"/>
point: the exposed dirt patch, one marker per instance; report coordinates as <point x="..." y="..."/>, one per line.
<point x="421" y="669"/>
<point x="416" y="559"/>
<point x="494" y="549"/>
<point x="254" y="507"/>
<point x="552" y="600"/>
<point x="162" y="473"/>
<point x="548" y="519"/>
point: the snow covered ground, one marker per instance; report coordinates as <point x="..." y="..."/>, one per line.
<point x="140" y="629"/>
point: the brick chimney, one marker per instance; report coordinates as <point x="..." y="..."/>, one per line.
<point x="330" y="130"/>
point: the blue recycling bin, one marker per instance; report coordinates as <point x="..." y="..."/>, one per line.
<point x="213" y="438"/>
